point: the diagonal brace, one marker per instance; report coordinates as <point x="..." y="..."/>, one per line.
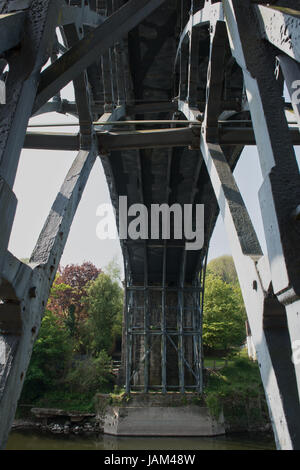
<point x="88" y="50"/>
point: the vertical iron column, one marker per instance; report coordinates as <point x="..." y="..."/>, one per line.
<point x="146" y="323"/>
<point x="163" y="325"/>
<point x="128" y="334"/>
<point x="180" y="325"/>
<point x="202" y="285"/>
<point x="196" y="335"/>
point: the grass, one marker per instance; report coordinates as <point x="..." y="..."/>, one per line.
<point x="237" y="391"/>
<point x="66" y="401"/>
<point x="214" y="362"/>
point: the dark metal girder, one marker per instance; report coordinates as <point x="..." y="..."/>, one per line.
<point x="89" y="49"/>
<point x="51" y="141"/>
<point x="145" y="108"/>
<point x="245" y="136"/>
<point x="11" y="28"/>
<point x="82" y="94"/>
<point x="159" y="138"/>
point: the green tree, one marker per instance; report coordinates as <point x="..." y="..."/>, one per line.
<point x="91" y="375"/>
<point x="105" y="305"/>
<point x="224" y="315"/>
<point x="223" y="267"/>
<point x="50" y="358"/>
<point x="113" y="270"/>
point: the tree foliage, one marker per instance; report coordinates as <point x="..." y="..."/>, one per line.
<point x="104" y="302"/>
<point x="223" y="267"/>
<point x="50" y="357"/>
<point x="224" y="315"/>
<point x="90" y="375"/>
<point x="83" y="319"/>
<point x="67" y="294"/>
<point x="113" y="270"/>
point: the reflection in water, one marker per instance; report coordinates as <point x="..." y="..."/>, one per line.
<point x="32" y="441"/>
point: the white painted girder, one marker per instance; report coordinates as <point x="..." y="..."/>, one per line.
<point x="29" y="286"/>
<point x="280" y="29"/>
<point x="256" y="273"/>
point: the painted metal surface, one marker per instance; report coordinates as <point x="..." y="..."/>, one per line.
<point x="212" y="66"/>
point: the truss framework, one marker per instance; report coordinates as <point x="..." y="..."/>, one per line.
<point x="94" y="52"/>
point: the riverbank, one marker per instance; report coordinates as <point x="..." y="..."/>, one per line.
<point x="87" y="429"/>
<point x="234" y="391"/>
<point x="59" y="422"/>
<point x="237" y="417"/>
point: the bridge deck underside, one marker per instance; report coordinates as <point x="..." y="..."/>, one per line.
<point x="162" y="176"/>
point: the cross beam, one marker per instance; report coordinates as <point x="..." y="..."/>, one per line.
<point x="155" y="138"/>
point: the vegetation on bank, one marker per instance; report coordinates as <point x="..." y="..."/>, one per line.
<point x="232" y="381"/>
<point x="237" y="391"/>
<point x="82" y="327"/>
<point x="224" y="312"/>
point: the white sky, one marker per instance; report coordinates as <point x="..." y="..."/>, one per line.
<point x="41" y="173"/>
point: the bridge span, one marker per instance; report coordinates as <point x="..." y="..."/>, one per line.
<point x="167" y="94"/>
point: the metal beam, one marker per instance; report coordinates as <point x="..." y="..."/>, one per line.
<point x="21" y="88"/>
<point x="32" y="285"/>
<point x="277" y="157"/>
<point x="51" y="141"/>
<point x="80" y="15"/>
<point x="279" y="196"/>
<point x="193" y="66"/>
<point x="163" y="345"/>
<point x="53" y="237"/>
<point x="180" y="320"/>
<point x="180" y="137"/>
<point x="145" y="108"/>
<point x="284" y="407"/>
<point x="291" y="73"/>
<point x="44" y="261"/>
<point x="81" y="89"/>
<point x="88" y="50"/>
<point x="11" y="30"/>
<point x="228" y="135"/>
<point x="158" y="138"/>
<point x="215" y="78"/>
<point x="21" y="85"/>
<point x="280" y="29"/>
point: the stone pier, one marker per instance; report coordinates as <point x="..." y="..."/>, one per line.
<point x="154" y="414"/>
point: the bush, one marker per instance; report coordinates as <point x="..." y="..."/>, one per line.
<point x="91" y="375"/>
<point x="105" y="306"/>
<point x="224" y="316"/>
<point x="50" y="358"/>
<point x="237" y="390"/>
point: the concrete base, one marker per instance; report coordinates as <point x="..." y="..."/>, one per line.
<point x="136" y="418"/>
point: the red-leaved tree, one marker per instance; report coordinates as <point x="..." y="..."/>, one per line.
<point x="68" y="291"/>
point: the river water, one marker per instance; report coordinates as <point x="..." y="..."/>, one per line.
<point x="33" y="441"/>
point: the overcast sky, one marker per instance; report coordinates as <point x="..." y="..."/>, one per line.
<point x="41" y="173"/>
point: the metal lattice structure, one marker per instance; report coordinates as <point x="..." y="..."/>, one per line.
<point x="210" y="74"/>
